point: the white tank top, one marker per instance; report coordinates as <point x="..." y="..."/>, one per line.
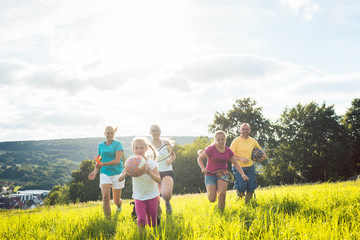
<point x="162" y="165"/>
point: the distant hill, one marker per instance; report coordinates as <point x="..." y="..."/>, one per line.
<point x="45" y="163"/>
<point x="80" y="148"/>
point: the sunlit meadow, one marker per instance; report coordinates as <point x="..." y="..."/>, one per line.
<point x="316" y="211"/>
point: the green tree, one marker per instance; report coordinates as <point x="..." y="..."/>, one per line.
<point x="311" y="146"/>
<point x="352" y="122"/>
<point x="244" y="110"/>
<point x="187" y="175"/>
<point x="81" y="188"/>
<point x="58" y="195"/>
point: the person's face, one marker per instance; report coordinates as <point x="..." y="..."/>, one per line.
<point x="155" y="131"/>
<point x="109" y="134"/>
<point x="220" y="140"/>
<point x="139" y="148"/>
<point x="245" y="130"/>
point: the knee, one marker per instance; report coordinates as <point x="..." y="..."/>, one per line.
<point x="117" y="201"/>
<point x="212" y="198"/>
<point x="166" y="196"/>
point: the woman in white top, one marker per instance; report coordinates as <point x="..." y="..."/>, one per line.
<point x="164" y="167"/>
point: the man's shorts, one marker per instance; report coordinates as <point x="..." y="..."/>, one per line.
<point x="240" y="184"/>
<point x="113" y="180"/>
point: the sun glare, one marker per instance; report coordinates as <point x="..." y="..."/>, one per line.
<point x="130" y="35"/>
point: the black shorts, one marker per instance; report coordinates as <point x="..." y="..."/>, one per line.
<point x="167" y="173"/>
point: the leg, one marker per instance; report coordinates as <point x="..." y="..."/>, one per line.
<point x="105" y="192"/>
<point x="167" y="185"/>
<point x="211" y="184"/>
<point x="159" y="208"/>
<point x="248" y="197"/>
<point x="140" y="208"/>
<point x="251" y="184"/>
<point x="221" y="188"/>
<point x="211" y="192"/>
<point x="117" y="197"/>
<point x="151" y="211"/>
<point x="240" y="185"/>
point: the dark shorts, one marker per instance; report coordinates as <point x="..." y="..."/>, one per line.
<point x="167" y="173"/>
<point x="240" y="184"/>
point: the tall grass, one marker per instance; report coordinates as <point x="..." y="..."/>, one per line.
<point x="318" y="211"/>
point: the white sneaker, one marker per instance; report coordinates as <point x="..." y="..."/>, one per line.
<point x="168" y="208"/>
<point x="119" y="209"/>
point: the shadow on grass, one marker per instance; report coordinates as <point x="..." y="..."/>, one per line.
<point x="98" y="228"/>
<point x="285" y="205"/>
<point x="171" y="227"/>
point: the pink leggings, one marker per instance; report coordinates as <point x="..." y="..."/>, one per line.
<point x="146" y="211"/>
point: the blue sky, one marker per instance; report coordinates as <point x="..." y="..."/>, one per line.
<point x="70" y="68"/>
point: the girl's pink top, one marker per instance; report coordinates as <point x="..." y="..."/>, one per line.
<point x="217" y="160"/>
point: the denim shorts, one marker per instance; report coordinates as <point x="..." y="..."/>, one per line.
<point x="240" y="184"/>
<point x="211" y="180"/>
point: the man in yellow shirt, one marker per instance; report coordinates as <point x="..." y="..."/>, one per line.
<point x="242" y="147"/>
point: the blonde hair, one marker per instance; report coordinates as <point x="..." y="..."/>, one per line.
<point x="201" y="151"/>
<point x="220" y="132"/>
<point x="146" y="144"/>
<point x="111" y="127"/>
<point x="170" y="141"/>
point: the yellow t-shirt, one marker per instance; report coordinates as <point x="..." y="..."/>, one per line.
<point x="243" y="148"/>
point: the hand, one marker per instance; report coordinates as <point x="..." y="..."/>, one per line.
<point x="168" y="162"/>
<point x="98" y="166"/>
<point x="92" y="176"/>
<point x="245" y="177"/>
<point x="204" y="170"/>
<point x="147" y="168"/>
<point x="244" y="160"/>
<point x="122" y="176"/>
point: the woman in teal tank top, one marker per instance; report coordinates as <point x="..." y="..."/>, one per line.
<point x="111" y="166"/>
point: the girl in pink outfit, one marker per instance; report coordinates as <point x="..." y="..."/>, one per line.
<point x="145" y="187"/>
<point x="217" y="155"/>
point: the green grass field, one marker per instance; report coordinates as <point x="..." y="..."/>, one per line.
<point x="317" y="211"/>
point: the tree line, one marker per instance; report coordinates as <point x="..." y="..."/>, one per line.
<point x="307" y="143"/>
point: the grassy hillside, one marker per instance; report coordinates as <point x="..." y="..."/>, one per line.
<point x="319" y="211"/>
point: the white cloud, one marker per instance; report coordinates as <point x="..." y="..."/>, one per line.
<point x="304" y="8"/>
<point x="67" y="69"/>
<point x="239" y="69"/>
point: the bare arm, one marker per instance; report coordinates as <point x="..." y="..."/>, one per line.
<point x="154" y="174"/>
<point x="200" y="161"/>
<point x="122" y="176"/>
<point x="172" y="156"/>
<point x="92" y="175"/>
<point x="263" y="157"/>
<point x="238" y="167"/>
<point x="241" y="159"/>
<point x="115" y="161"/>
